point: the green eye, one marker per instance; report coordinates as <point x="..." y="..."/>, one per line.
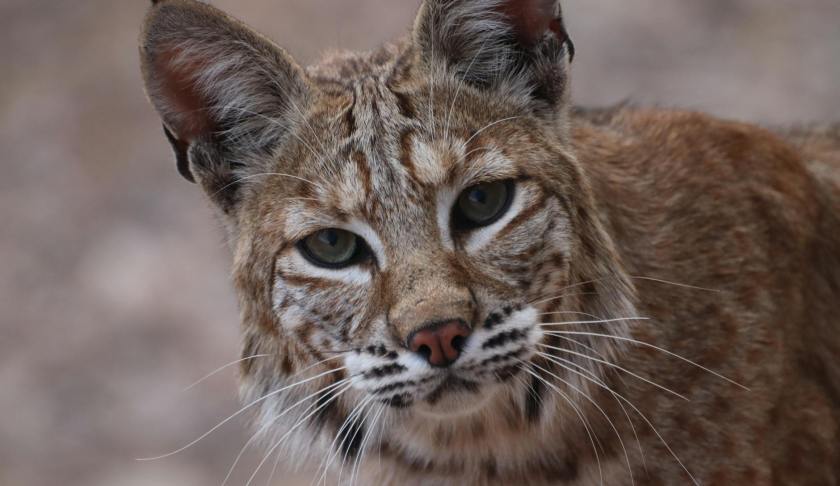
<point x="483" y="204"/>
<point x="331" y="248"/>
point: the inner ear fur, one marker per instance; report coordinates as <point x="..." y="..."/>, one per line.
<point x="227" y="95"/>
<point x="520" y="46"/>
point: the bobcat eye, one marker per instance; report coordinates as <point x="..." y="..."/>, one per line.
<point x="483" y="204"/>
<point x="332" y="248"/>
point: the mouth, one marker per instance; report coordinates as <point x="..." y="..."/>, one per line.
<point x="451" y="385"/>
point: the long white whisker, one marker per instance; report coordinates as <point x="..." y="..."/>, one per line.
<point x="276" y="461"/>
<point x="675" y="284"/>
<point x="661" y="439"/>
<point x="222" y="368"/>
<point x="593" y="316"/>
<point x="278" y="454"/>
<point x="563" y="290"/>
<point x="458" y="90"/>
<point x="594" y="379"/>
<point x="603" y="321"/>
<point x="613" y="365"/>
<point x="633" y="277"/>
<point x="476" y="150"/>
<point x="292" y="429"/>
<point x="526" y="367"/>
<point x="582" y="345"/>
<point x="594" y="403"/>
<point x="239" y="412"/>
<point x="648" y="345"/>
<point x="273" y="174"/>
<point x="363" y="447"/>
<point x="357" y="425"/>
<point x="274" y="421"/>
<point x="333" y="451"/>
<point x="488" y="126"/>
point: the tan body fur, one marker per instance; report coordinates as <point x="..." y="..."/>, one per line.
<point x="658" y="306"/>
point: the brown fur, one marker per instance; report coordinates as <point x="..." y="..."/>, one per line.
<point x="725" y="236"/>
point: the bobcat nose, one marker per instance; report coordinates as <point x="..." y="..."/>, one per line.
<point x="441" y="343"/>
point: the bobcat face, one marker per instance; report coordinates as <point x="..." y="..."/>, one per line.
<point x="406" y="224"/>
<point x="420" y="257"/>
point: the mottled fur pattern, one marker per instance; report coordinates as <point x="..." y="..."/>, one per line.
<point x="657" y="306"/>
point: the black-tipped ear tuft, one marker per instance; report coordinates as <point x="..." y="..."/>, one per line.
<point x="182" y="159"/>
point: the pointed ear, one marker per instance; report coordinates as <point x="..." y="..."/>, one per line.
<point x="515" y="45"/>
<point x="227" y="95"/>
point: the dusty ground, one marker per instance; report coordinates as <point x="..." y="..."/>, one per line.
<point x="114" y="289"/>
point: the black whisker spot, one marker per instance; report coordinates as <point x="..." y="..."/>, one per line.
<point x="499" y="358"/>
<point x="504" y="338"/>
<point x="492" y="320"/>
<point x="393" y="387"/>
<point x="382" y="371"/>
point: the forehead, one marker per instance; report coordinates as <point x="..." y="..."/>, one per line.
<point x="386" y="152"/>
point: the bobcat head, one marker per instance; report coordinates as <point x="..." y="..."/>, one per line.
<point x="407" y="225"/>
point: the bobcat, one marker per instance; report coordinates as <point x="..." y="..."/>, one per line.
<point x="448" y="272"/>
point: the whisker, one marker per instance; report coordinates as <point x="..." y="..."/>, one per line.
<point x="488" y="126"/>
<point x="593" y="316"/>
<point x="239" y="412"/>
<point x="222" y="368"/>
<point x="602" y="321"/>
<point x="458" y="90"/>
<point x="526" y="367"/>
<point x="333" y="450"/>
<point x="289" y="432"/>
<point x="358" y="421"/>
<point x="648" y="422"/>
<point x="675" y="284"/>
<point x="648" y="345"/>
<point x="661" y="439"/>
<point x="272" y="174"/>
<point x="632" y="277"/>
<point x="613" y="365"/>
<point x="274" y="421"/>
<point x="595" y="404"/>
<point x="363" y="447"/>
<point x="583" y="345"/>
<point x="476" y="150"/>
<point x="563" y="290"/>
<point x="594" y="379"/>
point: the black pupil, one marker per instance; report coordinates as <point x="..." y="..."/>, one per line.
<point x="330" y="237"/>
<point x="478" y="196"/>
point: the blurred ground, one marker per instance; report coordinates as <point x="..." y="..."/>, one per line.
<point x="114" y="289"/>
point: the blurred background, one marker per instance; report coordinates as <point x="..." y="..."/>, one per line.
<point x="114" y="283"/>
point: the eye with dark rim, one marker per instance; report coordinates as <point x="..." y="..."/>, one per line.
<point x="333" y="248"/>
<point x="482" y="205"/>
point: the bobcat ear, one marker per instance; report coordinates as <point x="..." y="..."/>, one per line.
<point x="224" y="92"/>
<point x="516" y="45"/>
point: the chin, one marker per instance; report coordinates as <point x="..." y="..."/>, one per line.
<point x="457" y="398"/>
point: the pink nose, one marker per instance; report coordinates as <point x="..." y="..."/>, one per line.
<point x="440" y="344"/>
